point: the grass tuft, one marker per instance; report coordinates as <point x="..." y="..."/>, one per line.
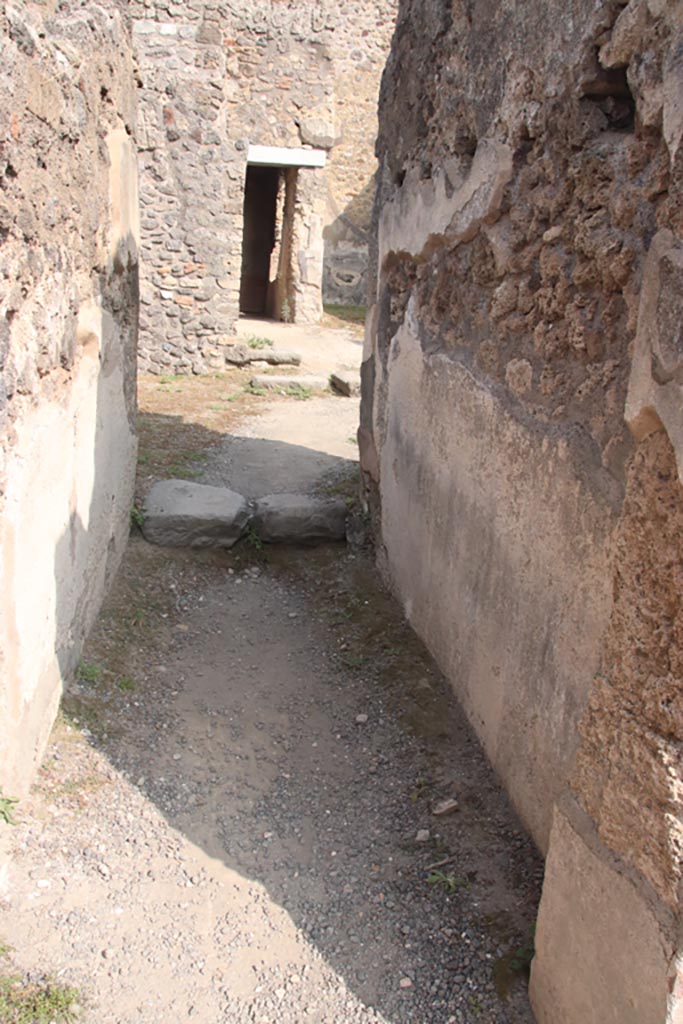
<point x="31" y="1002"/>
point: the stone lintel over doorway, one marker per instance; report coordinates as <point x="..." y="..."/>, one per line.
<point x="282" y="233"/>
<point x="283" y="156"/>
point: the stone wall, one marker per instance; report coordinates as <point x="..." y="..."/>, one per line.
<point x="216" y="77"/>
<point x="68" y="325"/>
<point x="521" y="373"/>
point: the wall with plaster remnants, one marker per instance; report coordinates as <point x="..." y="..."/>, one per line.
<point x="521" y="442"/>
<point x="68" y="326"/>
<point x="215" y="77"/>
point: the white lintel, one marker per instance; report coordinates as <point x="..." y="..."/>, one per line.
<point x="282" y="156"/>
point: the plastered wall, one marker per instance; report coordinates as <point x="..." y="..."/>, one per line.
<point x="520" y="440"/>
<point x="68" y="328"/>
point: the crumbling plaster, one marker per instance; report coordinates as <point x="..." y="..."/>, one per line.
<point x="527" y="314"/>
<point x="68" y="324"/>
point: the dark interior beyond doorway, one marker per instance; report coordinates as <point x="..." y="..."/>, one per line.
<point x="260" y="205"/>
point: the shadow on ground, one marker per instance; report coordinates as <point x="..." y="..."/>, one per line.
<point x="246" y="731"/>
<point x="276" y="709"/>
<point x="253" y="466"/>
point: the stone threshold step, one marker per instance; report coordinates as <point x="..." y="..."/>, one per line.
<point x="178" y="513"/>
<point x="282" y="382"/>
<point x="242" y="355"/>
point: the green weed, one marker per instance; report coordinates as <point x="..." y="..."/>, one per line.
<point x="88" y="673"/>
<point x="138" y="618"/>
<point x="299" y="391"/>
<point x="252" y="537"/>
<point x="259" y="343"/>
<point x="352" y="314"/>
<point x="476" y="1005"/>
<point x="126" y="684"/>
<point x="449" y="882"/>
<point x="186" y="465"/>
<point x="421" y="787"/>
<point x="521" y="958"/>
<point x="136" y="517"/>
<point x="6" y="812"/>
<point x="30" y="1002"/>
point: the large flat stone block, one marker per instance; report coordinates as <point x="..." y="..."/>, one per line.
<point x="602" y="955"/>
<point x="183" y="514"/>
<point x="299" y="519"/>
<point x="279" y="382"/>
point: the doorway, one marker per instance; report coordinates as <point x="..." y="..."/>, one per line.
<point x="260" y="214"/>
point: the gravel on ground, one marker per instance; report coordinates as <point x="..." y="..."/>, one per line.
<point x="261" y="803"/>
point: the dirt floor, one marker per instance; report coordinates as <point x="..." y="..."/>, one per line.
<point x="235" y="818"/>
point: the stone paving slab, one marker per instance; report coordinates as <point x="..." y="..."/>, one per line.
<point x="299" y="518"/>
<point x="241" y="354"/>
<point x="281" y="382"/>
<point x="182" y="514"/>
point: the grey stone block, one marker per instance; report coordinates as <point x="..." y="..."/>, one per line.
<point x="182" y="514"/>
<point x="346" y="382"/>
<point x="299" y="519"/>
<point x="277" y="382"/>
<point x="241" y="354"/>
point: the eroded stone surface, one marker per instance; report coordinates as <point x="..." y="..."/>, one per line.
<point x="68" y="331"/>
<point x="527" y="294"/>
<point x="183" y="514"/>
<point x="627" y="770"/>
<point x="299" y="518"/>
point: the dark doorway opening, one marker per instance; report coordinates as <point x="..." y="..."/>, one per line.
<point x="260" y="208"/>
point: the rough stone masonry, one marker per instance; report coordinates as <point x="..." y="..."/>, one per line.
<point x="68" y="326"/>
<point x="522" y="442"/>
<point x="217" y="79"/>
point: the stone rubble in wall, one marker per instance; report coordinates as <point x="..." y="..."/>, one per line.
<point x="213" y="78"/>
